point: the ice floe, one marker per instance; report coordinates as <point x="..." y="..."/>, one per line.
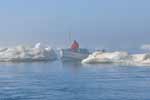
<point x="39" y="52"/>
<point x="118" y="57"/>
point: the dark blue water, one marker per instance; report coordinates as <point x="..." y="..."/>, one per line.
<point x="64" y="81"/>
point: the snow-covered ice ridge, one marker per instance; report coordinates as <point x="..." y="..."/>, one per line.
<point x="118" y="57"/>
<point x="38" y="52"/>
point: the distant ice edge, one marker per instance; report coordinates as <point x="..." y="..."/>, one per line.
<point x="39" y="52"/>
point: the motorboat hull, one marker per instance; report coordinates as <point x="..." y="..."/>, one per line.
<point x="73" y="55"/>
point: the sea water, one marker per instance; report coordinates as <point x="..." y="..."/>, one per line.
<point x="56" y="80"/>
<point x="73" y="81"/>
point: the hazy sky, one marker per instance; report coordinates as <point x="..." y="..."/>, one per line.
<point x="94" y="23"/>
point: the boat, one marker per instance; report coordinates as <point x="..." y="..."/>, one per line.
<point x="74" y="55"/>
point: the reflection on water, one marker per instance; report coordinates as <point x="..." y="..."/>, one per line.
<point x="73" y="81"/>
<point x="72" y="65"/>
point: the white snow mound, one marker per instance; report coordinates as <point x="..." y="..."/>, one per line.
<point x="118" y="57"/>
<point x="39" y="52"/>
